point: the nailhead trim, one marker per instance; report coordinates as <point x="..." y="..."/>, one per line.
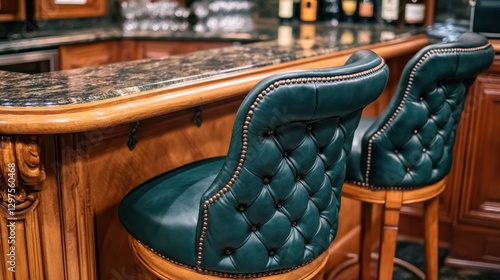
<point x="236" y="173"/>
<point x="379" y="188"/>
<point x="426" y="56"/>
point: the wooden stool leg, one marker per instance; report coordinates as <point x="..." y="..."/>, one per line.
<point x="389" y="234"/>
<point x="431" y="219"/>
<point x="365" y="241"/>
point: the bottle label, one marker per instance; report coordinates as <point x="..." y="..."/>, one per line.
<point x="349" y="7"/>
<point x="390" y="10"/>
<point x="366" y="10"/>
<point x="308" y="10"/>
<point x="286" y="9"/>
<point x="414" y="13"/>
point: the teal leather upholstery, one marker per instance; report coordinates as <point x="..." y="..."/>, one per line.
<point x="272" y="203"/>
<point x="410" y="144"/>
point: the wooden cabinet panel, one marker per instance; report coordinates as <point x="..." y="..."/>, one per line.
<point x="12" y="10"/>
<point x="480" y="203"/>
<point x="129" y="50"/>
<point x="157" y="49"/>
<point x="90" y="54"/>
<point x="476" y="234"/>
<point x="48" y="9"/>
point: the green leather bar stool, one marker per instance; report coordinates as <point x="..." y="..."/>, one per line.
<point x="270" y="207"/>
<point x="404" y="155"/>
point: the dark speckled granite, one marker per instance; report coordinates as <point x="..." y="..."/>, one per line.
<point x="99" y="83"/>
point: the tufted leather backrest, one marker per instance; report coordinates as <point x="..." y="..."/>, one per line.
<point x="274" y="204"/>
<point x="411" y="143"/>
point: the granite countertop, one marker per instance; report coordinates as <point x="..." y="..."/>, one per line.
<point x="90" y="84"/>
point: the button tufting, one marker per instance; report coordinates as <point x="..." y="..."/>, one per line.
<point x="285" y="154"/>
<point x="271" y="253"/>
<point x="294" y="224"/>
<point x="421" y="98"/>
<point x="279" y="205"/>
<point x="309" y="127"/>
<point x="396" y="151"/>
<point x="415" y="131"/>
<point x="298" y="178"/>
<point x="229" y="251"/>
<point x="270" y="132"/>
<point x="241" y="208"/>
<point x="408" y="169"/>
<point x="265" y="181"/>
<point x="254" y="228"/>
<point x="424" y="150"/>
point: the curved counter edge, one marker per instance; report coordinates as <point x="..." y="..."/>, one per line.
<point x="147" y="104"/>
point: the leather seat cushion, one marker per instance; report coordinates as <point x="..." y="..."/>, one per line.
<point x="163" y="212"/>
<point x="354" y="172"/>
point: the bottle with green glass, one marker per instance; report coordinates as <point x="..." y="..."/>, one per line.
<point x="331" y="11"/>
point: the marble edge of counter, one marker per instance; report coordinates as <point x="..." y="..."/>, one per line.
<point x="149" y="100"/>
<point x="126" y="78"/>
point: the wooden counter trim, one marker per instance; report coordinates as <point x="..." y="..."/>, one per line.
<point x="496" y="45"/>
<point x="147" y="104"/>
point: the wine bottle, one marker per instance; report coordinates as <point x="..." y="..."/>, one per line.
<point x="365" y="10"/>
<point x="390" y="12"/>
<point x="331" y="11"/>
<point x="285" y="11"/>
<point x="349" y="9"/>
<point x="414" y="12"/>
<point x="296" y="9"/>
<point x="309" y="10"/>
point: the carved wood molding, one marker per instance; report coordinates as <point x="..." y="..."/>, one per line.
<point x="21" y="174"/>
